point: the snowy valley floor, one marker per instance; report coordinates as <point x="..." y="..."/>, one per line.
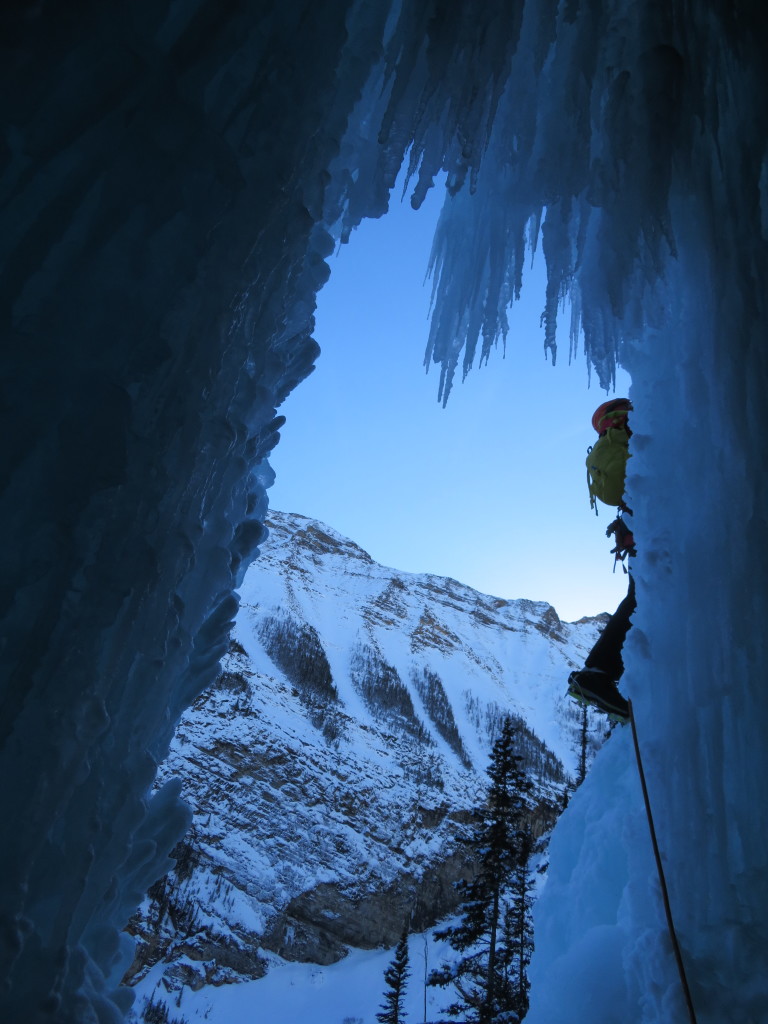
<point x="349" y="992"/>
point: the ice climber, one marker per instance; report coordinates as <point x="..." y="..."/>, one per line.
<point x="596" y="683"/>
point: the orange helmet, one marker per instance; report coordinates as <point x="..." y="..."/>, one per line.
<point x="612" y="414"/>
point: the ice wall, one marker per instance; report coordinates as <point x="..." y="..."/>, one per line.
<point x="695" y="669"/>
<point x="692" y="315"/>
<point x="172" y="174"/>
<point x="162" y="169"/>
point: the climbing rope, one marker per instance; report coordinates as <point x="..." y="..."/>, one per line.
<point x="662" y="880"/>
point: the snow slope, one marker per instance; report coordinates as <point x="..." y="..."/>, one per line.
<point x="505" y="651"/>
<point x="348" y="992"/>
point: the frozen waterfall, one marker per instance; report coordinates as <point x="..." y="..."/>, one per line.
<point x="172" y="177"/>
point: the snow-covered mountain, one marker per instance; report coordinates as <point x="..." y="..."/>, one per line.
<point x="333" y="767"/>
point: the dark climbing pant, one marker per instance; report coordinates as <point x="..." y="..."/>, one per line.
<point x="606" y="654"/>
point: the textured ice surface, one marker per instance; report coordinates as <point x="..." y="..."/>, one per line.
<point x="171" y="178"/>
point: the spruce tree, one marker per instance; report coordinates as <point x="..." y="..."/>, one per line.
<point x="483" y="978"/>
<point x="395" y="978"/>
<point x="519" y="930"/>
<point x="581" y="772"/>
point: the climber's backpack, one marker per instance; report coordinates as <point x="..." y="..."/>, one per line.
<point x="607" y="458"/>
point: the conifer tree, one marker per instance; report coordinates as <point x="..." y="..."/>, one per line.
<point x="519" y="929"/>
<point x="581" y="772"/>
<point x="484" y="978"/>
<point x="395" y="977"/>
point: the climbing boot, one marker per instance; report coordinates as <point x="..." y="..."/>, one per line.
<point x="595" y="687"/>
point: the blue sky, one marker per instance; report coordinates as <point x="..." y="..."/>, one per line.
<point x="490" y="490"/>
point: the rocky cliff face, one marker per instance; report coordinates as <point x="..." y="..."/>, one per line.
<point x="334" y="766"/>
